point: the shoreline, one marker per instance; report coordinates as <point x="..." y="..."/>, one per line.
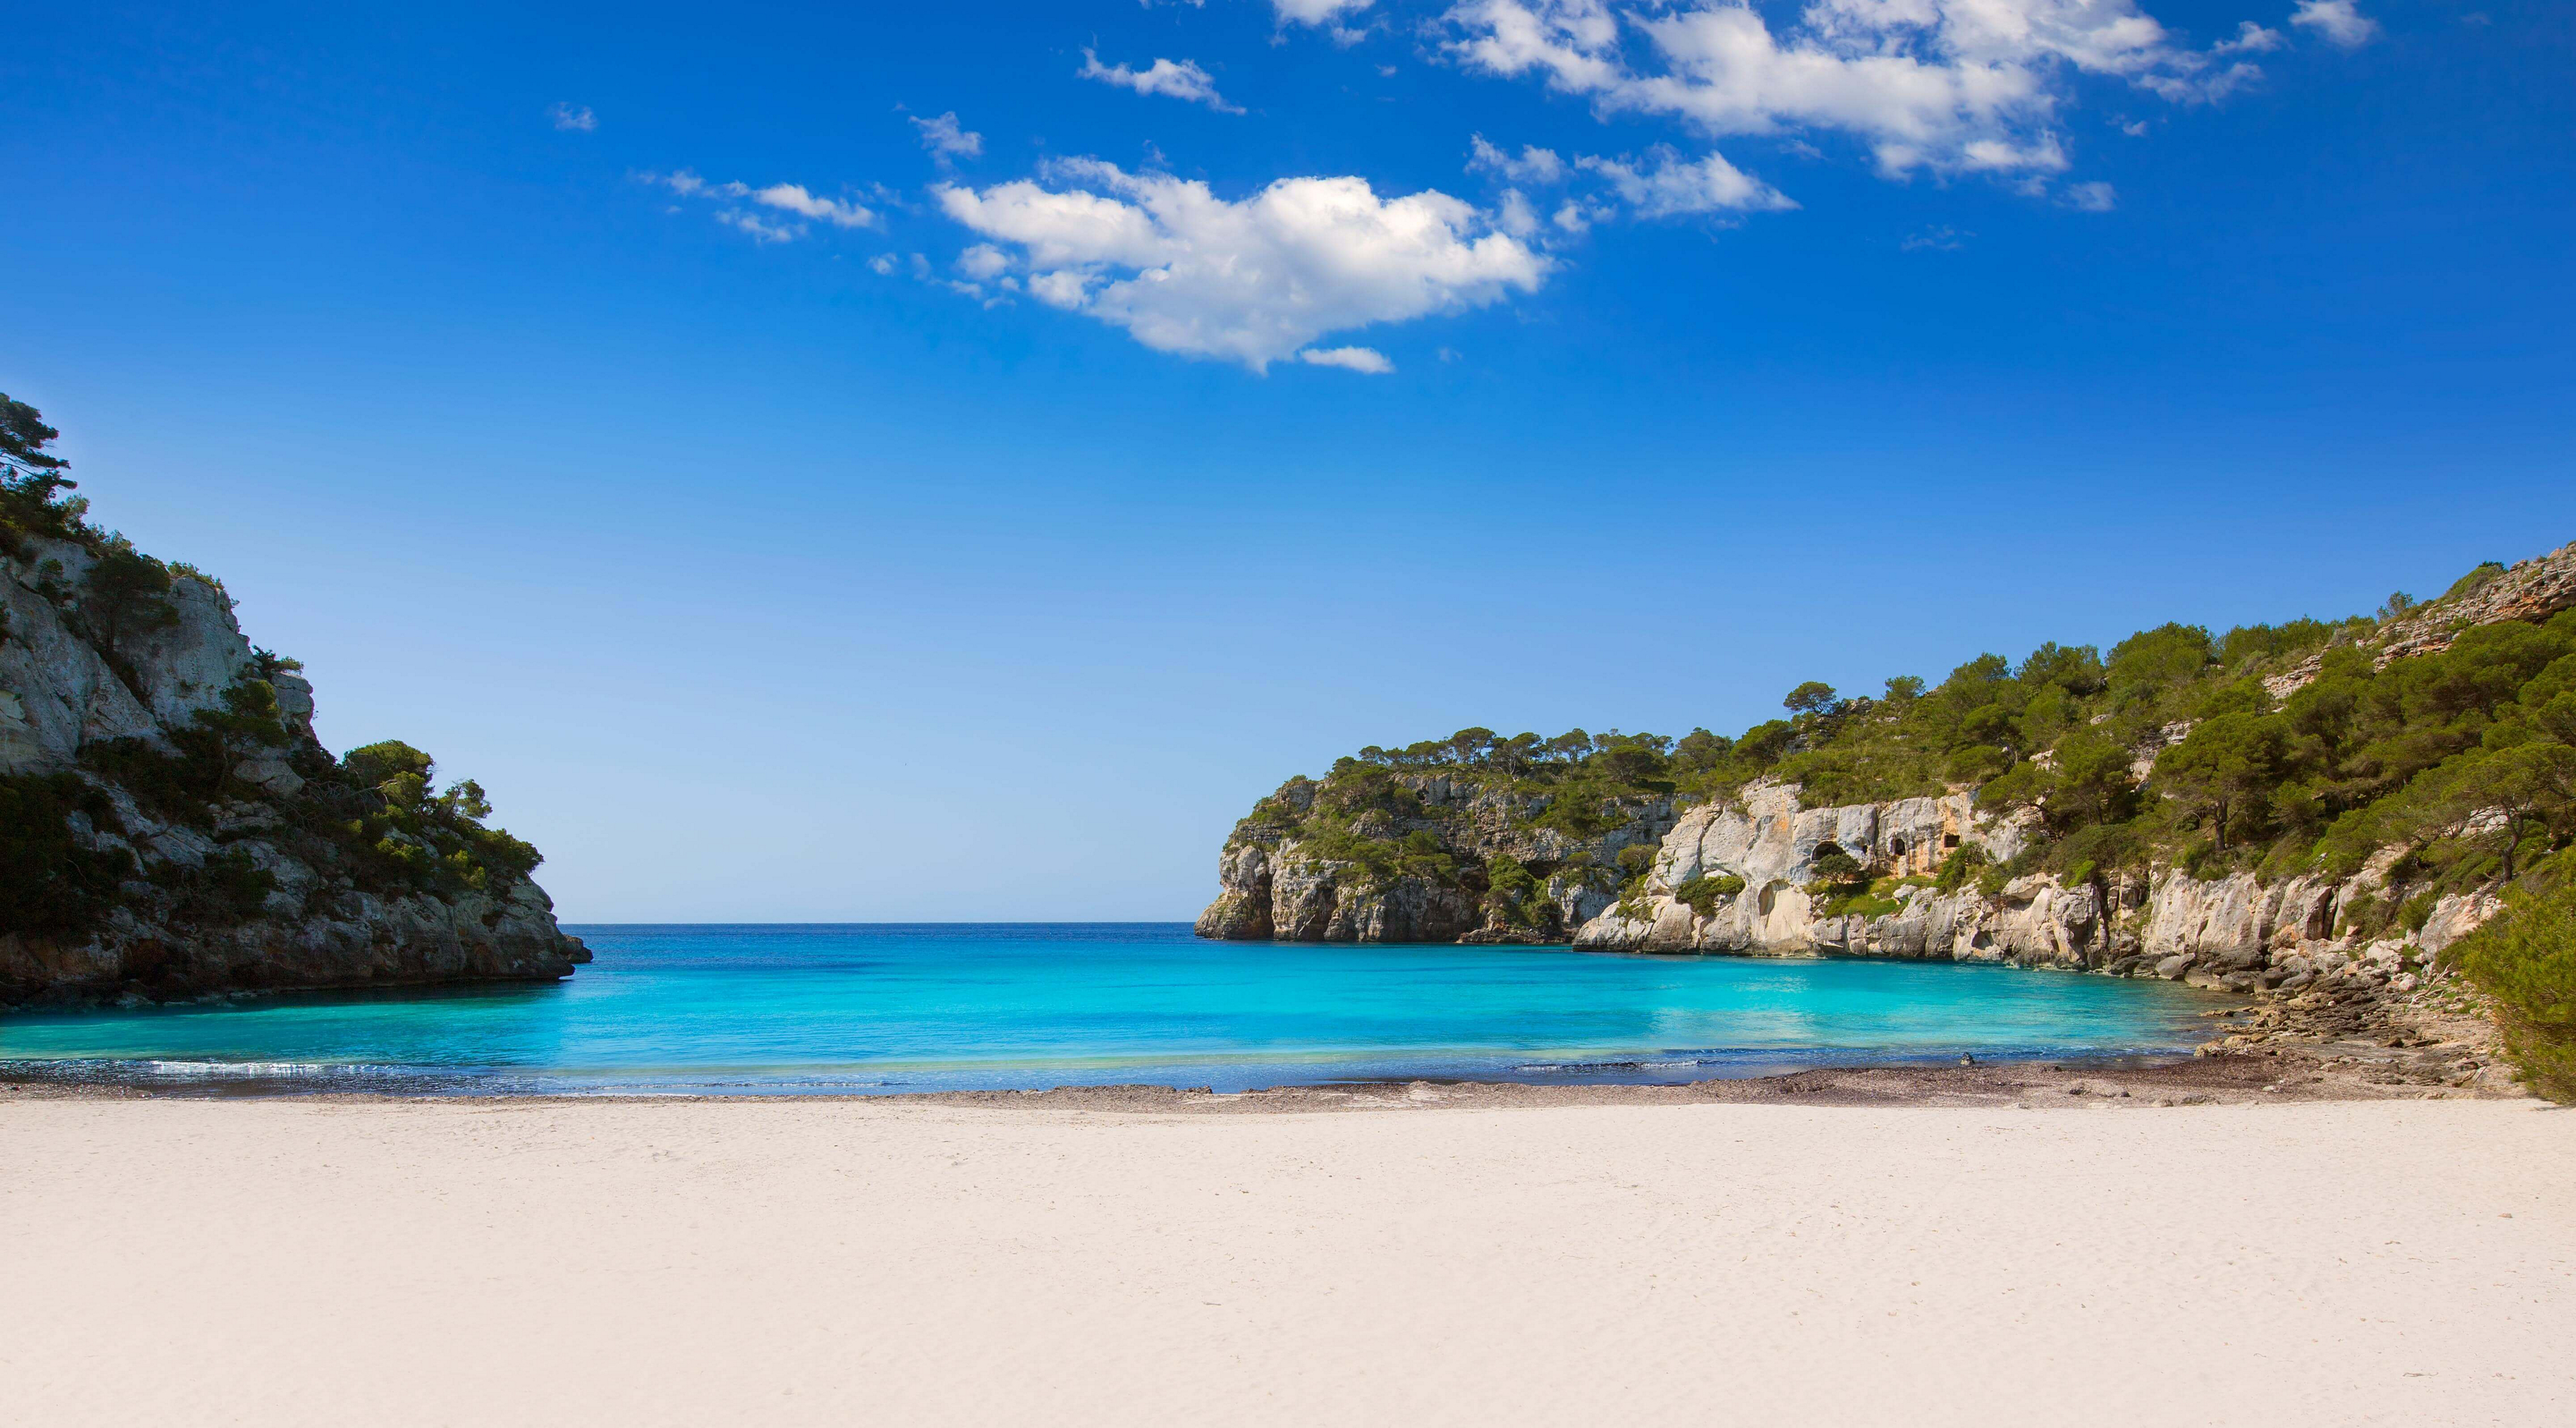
<point x="2346" y="1040"/>
<point x="2225" y="1077"/>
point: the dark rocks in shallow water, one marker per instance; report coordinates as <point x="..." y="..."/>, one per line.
<point x="1509" y="937"/>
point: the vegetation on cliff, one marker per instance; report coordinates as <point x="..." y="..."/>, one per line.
<point x="1509" y="828"/>
<point x="2526" y="960"/>
<point x="2442" y="730"/>
<point x="242" y="770"/>
<point x="2355" y="758"/>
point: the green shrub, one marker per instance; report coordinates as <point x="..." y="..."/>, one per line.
<point x="371" y="765"/>
<point x="1703" y="894"/>
<point x="128" y="593"/>
<point x="177" y="785"/>
<point x="2526" y="959"/>
<point x="229" y="888"/>
<point x="1976" y="763"/>
<point x="2479" y="575"/>
<point x="50" y="885"/>
<point x="2417" y="911"/>
<point x="1861" y="905"/>
<point x="1868" y="900"/>
<point x="1835" y="865"/>
<point x="1959" y="867"/>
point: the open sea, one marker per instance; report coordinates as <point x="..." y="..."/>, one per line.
<point x="777" y="1009"/>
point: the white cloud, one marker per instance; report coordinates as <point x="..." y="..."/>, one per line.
<point x="1356" y="359"/>
<point x="983" y="262"/>
<point x="2095" y="197"/>
<point x="1178" y="80"/>
<point x="946" y="139"/>
<point x="1664" y="185"/>
<point x="1316" y="12"/>
<point x="784" y="197"/>
<point x="2340" y="21"/>
<point x="1252" y="280"/>
<point x="1669" y="185"/>
<point x="574" y="117"/>
<point x="2250" y="39"/>
<point x="1941" y="85"/>
<point x="1571" y="42"/>
<point x="760" y="229"/>
<point x="840" y="213"/>
<point x="1535" y="165"/>
<point x="882" y="265"/>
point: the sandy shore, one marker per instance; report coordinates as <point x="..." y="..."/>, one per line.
<point x="2094" y="1260"/>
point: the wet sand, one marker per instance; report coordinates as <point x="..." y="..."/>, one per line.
<point x="1841" y="1247"/>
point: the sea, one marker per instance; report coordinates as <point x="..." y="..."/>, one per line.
<point x="873" y="1009"/>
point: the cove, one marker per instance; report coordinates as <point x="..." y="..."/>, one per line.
<point x="882" y="1008"/>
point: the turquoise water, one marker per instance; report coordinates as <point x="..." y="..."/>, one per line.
<point x="882" y="1008"/>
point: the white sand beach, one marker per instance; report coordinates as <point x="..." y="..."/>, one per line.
<point x="300" y="1262"/>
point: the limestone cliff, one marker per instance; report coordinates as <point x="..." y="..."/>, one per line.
<point x="2310" y="803"/>
<point x="170" y="826"/>
<point x="2238" y="932"/>
<point x="1405" y="858"/>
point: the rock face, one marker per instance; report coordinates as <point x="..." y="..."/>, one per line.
<point x="58" y="692"/>
<point x="1747" y="875"/>
<point x="1279" y="887"/>
<point x="2533" y="589"/>
<point x="230" y="891"/>
<point x="2234" y="932"/>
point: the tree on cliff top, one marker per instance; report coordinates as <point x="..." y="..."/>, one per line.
<point x="2526" y="788"/>
<point x="31" y="478"/>
<point x="2224" y="764"/>
<point x="1813" y="697"/>
<point x="23" y="439"/>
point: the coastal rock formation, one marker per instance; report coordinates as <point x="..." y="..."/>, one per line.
<point x="2527" y="590"/>
<point x="2235" y="932"/>
<point x="1750" y="876"/>
<point x="2417" y="791"/>
<point x="1285" y="879"/>
<point x="2317" y="813"/>
<point x="170" y="826"/>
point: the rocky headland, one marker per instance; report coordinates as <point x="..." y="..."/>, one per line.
<point x="2309" y="815"/>
<point x="170" y="827"/>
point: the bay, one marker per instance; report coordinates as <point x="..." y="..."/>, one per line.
<point x="876" y="1008"/>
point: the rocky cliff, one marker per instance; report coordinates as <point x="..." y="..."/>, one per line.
<point x="2238" y="932"/>
<point x="2308" y="804"/>
<point x="1405" y="858"/>
<point x="169" y="824"/>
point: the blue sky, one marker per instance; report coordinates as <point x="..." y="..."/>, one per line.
<point x="792" y="507"/>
